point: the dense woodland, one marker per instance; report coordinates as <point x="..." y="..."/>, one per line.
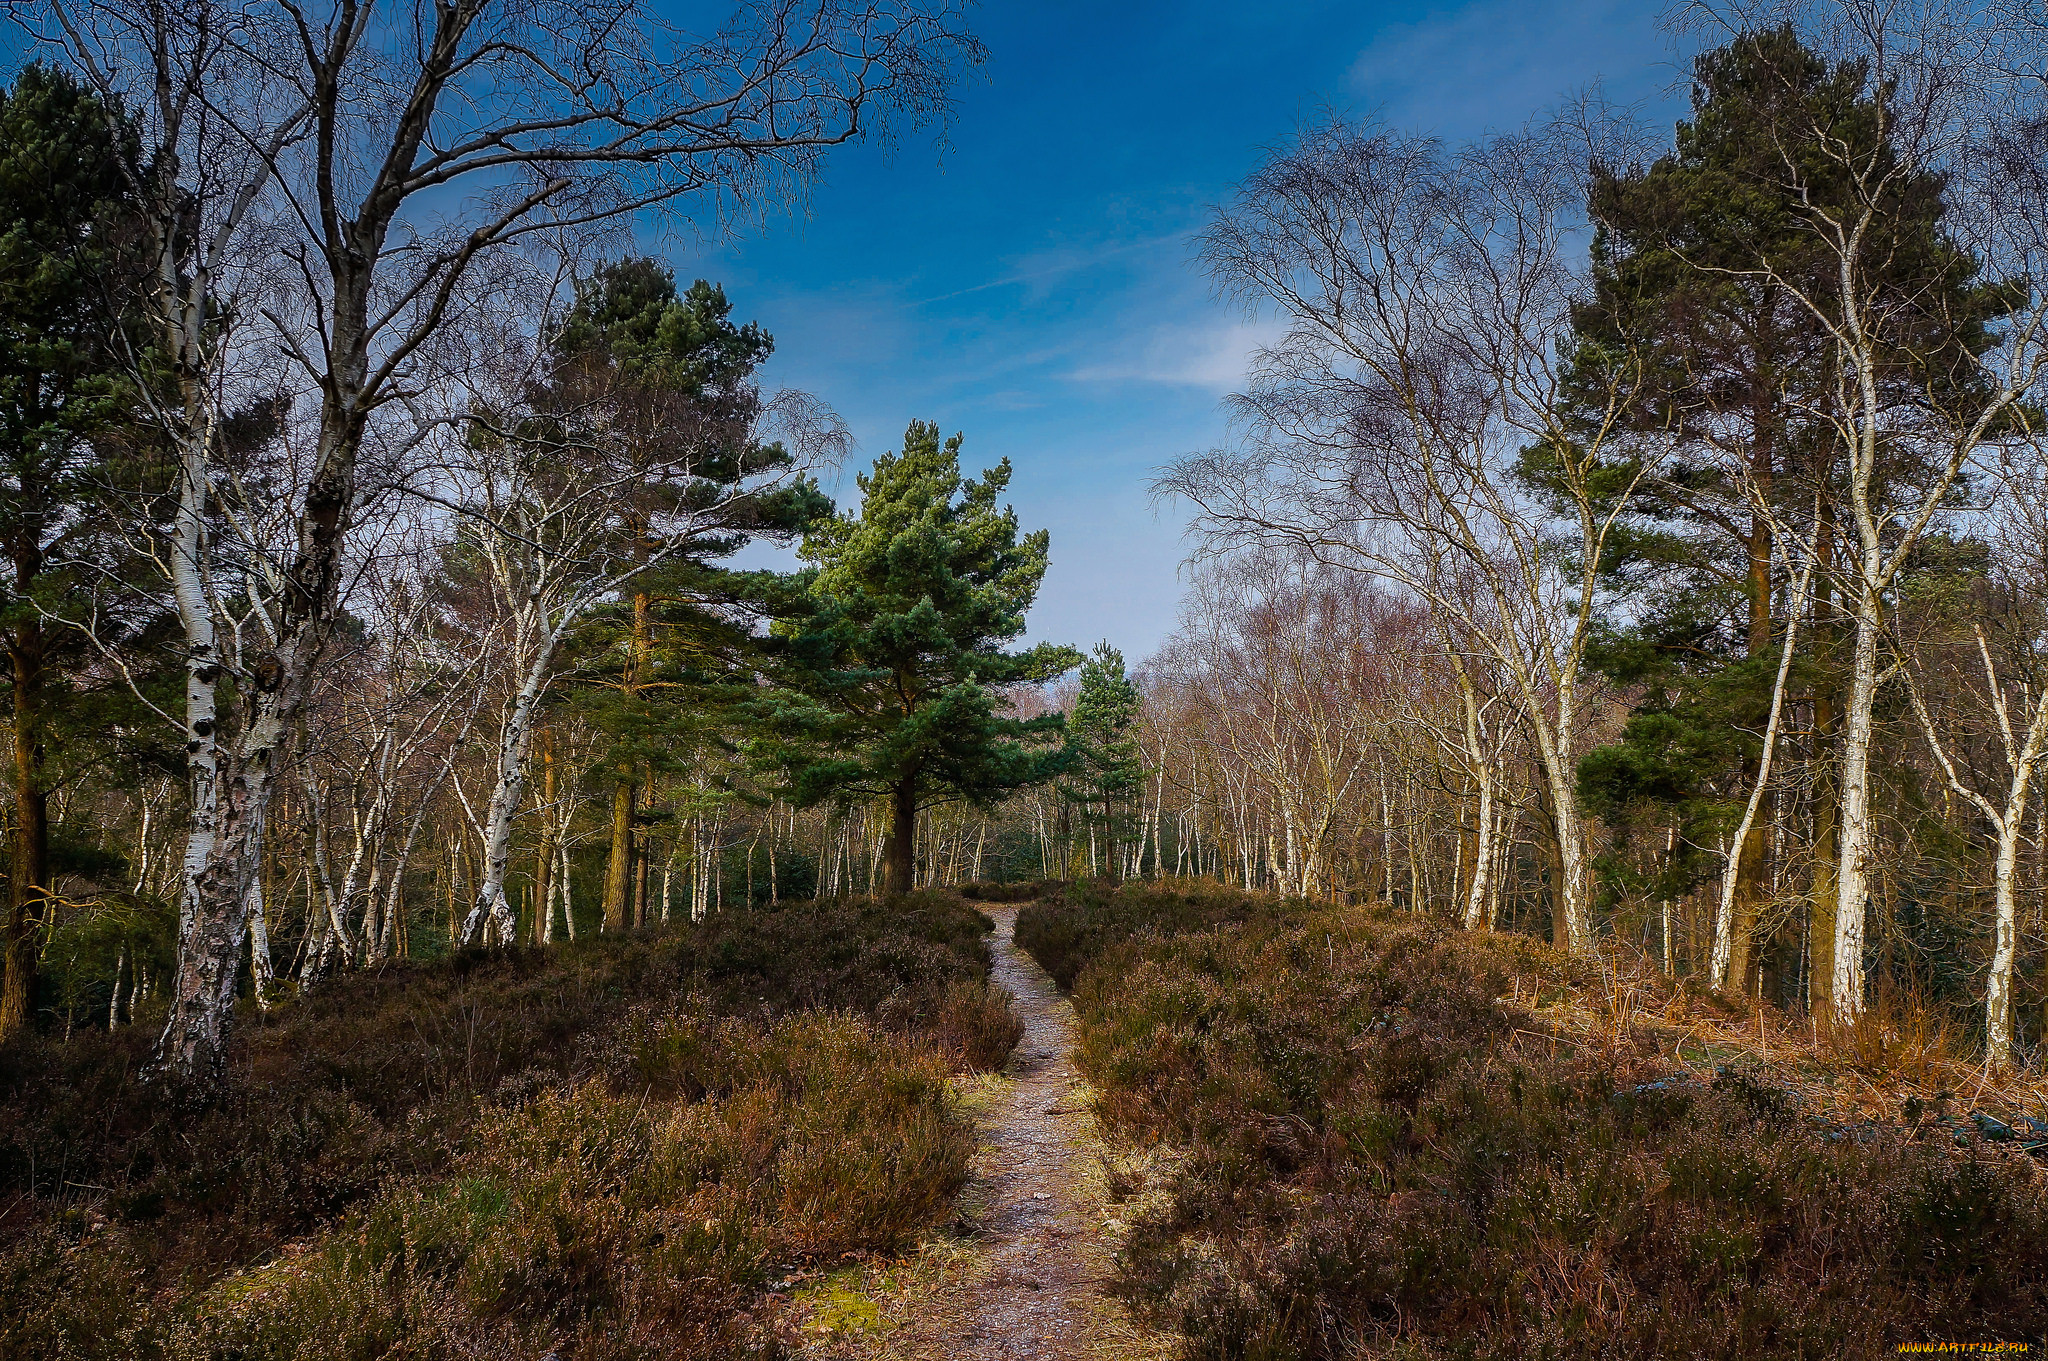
<point x="1639" y="537"/>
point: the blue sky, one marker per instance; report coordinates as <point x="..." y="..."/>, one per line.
<point x="1033" y="285"/>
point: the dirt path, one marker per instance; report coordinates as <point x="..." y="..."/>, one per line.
<point x="1046" y="1257"/>
<point x="1025" y="1282"/>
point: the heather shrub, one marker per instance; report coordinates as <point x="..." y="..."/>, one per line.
<point x="595" y="1224"/>
<point x="1378" y="1156"/>
<point x="1003" y="893"/>
<point x="599" y="1149"/>
<point x="1070" y="925"/>
<point x="978" y="1025"/>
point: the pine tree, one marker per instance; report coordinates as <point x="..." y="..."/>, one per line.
<point x="62" y="200"/>
<point x="670" y="366"/>
<point x="1741" y="375"/>
<point x="889" y="683"/>
<point x="1105" y="768"/>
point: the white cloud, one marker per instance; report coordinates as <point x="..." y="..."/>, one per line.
<point x="1035" y="271"/>
<point x="1205" y="355"/>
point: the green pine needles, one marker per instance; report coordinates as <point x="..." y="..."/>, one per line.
<point x="1105" y="771"/>
<point x="889" y="683"/>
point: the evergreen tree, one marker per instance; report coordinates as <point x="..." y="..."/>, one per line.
<point x="1741" y="375"/>
<point x="666" y="368"/>
<point x="888" y="683"/>
<point x="62" y="200"/>
<point x="1105" y="768"/>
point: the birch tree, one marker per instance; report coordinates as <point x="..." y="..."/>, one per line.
<point x="1935" y="151"/>
<point x="1411" y="416"/>
<point x="565" y="498"/>
<point x="2006" y="646"/>
<point x="209" y="119"/>
<point x="408" y="146"/>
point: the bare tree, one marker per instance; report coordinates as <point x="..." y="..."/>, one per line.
<point x="1409" y="425"/>
<point x="2010" y="659"/>
<point x="403" y="147"/>
<point x="386" y="725"/>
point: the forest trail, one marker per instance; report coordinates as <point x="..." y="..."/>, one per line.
<point x="1028" y="1285"/>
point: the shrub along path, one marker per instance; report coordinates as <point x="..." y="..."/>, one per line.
<point x="1042" y="1239"/>
<point x="1379" y="1151"/>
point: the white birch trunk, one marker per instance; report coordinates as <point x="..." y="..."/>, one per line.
<point x="507" y="793"/>
<point x="1852" y="893"/>
<point x="1724" y="917"/>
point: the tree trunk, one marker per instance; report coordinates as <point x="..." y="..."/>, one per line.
<point x="1571" y="924"/>
<point x="1749" y="877"/>
<point x="1752" y="851"/>
<point x="232" y="784"/>
<point x="568" y="890"/>
<point x="1477" y="884"/>
<point x="195" y="1037"/>
<point x="618" y="877"/>
<point x="1547" y="834"/>
<point x="544" y="853"/>
<point x="1998" y="1006"/>
<point x="259" y="944"/>
<point x="642" y="854"/>
<point x="29" y="870"/>
<point x="506" y="795"/>
<point x="902" y="837"/>
<point x="1820" y="923"/>
<point x="1998" y="1040"/>
<point x="1852" y="871"/>
<point x="1743" y="874"/>
<point x="624" y="889"/>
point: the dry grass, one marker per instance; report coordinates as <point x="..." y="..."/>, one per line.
<point x="1898" y="1057"/>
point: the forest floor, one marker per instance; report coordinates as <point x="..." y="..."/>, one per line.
<point x="1020" y="1274"/>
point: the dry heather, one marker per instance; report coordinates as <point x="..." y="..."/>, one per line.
<point x="604" y="1150"/>
<point x="1400" y="1140"/>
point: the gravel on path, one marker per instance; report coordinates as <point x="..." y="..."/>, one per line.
<point x="1041" y="1237"/>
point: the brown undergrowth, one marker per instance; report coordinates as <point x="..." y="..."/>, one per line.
<point x="1394" y="1139"/>
<point x="1900" y="1055"/>
<point x="601" y="1150"/>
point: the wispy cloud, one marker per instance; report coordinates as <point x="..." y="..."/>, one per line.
<point x="1503" y="56"/>
<point x="1059" y="261"/>
<point x="1206" y="355"/>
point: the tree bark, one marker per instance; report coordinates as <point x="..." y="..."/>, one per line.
<point x="1752" y="851"/>
<point x="210" y="903"/>
<point x="233" y="782"/>
<point x="29" y="869"/>
<point x="1476" y="884"/>
<point x="1852" y="871"/>
<point x="1573" y="927"/>
<point x="1998" y="1036"/>
<point x="642" y="853"/>
<point x="618" y="878"/>
<point x="1820" y="925"/>
<point x="902" y="863"/>
<point x="506" y="796"/>
<point x="544" y="853"/>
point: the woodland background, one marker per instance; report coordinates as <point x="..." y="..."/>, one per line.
<point x="1638" y="539"/>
